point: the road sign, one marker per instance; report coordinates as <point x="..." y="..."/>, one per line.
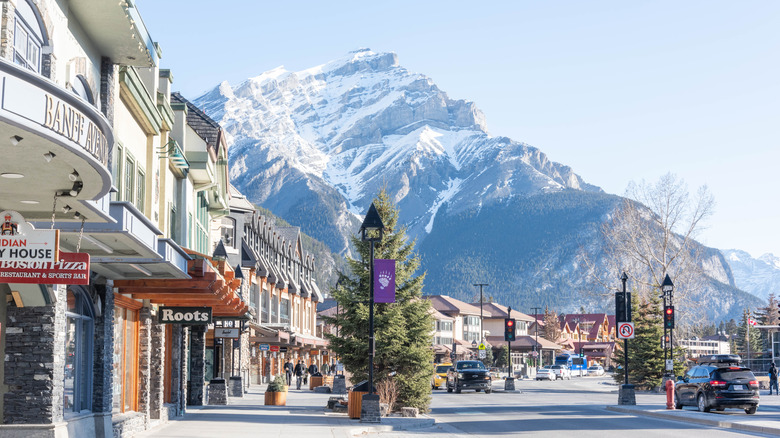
<point x="669" y="364"/>
<point x="626" y="330"/>
<point x="482" y="354"/>
<point x="481" y="347"/>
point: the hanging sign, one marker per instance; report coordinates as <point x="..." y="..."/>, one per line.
<point x="264" y="347"/>
<point x="384" y="281"/>
<point x="71" y="268"/>
<point x="21" y="242"/>
<point x="185" y="315"/>
<point x="274" y="348"/>
<point x="226" y="333"/>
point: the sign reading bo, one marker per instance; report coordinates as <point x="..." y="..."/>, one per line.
<point x="185" y="315"/>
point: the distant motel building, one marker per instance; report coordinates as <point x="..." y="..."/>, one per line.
<point x="123" y="186"/>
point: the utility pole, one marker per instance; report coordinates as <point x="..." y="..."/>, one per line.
<point x="536" y="311"/>
<point x="481" y="328"/>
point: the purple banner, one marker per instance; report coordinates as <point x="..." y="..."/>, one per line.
<point x="384" y="281"/>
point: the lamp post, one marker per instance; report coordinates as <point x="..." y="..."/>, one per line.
<point x="626" y="303"/>
<point x="667" y="287"/>
<point x="536" y="311"/>
<point x="481" y="327"/>
<point x="371" y="231"/>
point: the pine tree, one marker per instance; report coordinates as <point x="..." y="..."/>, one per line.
<point x="748" y="340"/>
<point x="503" y="357"/>
<point x="402" y="329"/>
<point x="645" y="353"/>
<point x="769" y="315"/>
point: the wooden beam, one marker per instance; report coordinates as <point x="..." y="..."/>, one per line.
<point x="195" y="283"/>
<point x="143" y="291"/>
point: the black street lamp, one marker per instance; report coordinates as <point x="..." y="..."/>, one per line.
<point x="667" y="287"/>
<point x="481" y="328"/>
<point x="371" y="231"/>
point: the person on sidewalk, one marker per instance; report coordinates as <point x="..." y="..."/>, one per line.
<point x="299" y="369"/>
<point x="325" y="369"/>
<point x="313" y="369"/>
<point x="288" y="371"/>
<point x="773" y="379"/>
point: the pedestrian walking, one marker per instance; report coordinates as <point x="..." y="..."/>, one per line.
<point x="288" y="371"/>
<point x="773" y="378"/>
<point x="313" y="369"/>
<point x="299" y="370"/>
<point x="325" y="369"/>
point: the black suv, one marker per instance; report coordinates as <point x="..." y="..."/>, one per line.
<point x="718" y="382"/>
<point x="469" y="374"/>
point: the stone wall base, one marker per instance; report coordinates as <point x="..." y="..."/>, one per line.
<point x="59" y="430"/>
<point x="129" y="424"/>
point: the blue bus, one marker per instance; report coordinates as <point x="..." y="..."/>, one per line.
<point x="578" y="365"/>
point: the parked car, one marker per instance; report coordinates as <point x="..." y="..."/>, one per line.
<point x="469" y="374"/>
<point x="596" y="370"/>
<point x="440" y="374"/>
<point x="561" y="372"/>
<point x="718" y="382"/>
<point x="545" y="373"/>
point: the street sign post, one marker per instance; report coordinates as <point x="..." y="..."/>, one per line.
<point x="626" y="330"/>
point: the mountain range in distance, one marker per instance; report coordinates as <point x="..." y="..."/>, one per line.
<point x="315" y="147"/>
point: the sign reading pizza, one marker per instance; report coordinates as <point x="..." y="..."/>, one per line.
<point x="70" y="268"/>
<point x="21" y="242"/>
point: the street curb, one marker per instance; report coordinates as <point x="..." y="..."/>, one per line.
<point x="401" y="424"/>
<point x="675" y="415"/>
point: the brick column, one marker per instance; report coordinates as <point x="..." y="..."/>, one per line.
<point x="108" y="81"/>
<point x="157" y="369"/>
<point x="35" y="362"/>
<point x="197" y="375"/>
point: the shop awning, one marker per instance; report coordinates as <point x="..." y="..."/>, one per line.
<point x="213" y="284"/>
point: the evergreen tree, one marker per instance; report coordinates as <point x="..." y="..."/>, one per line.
<point x="769" y="315"/>
<point x="402" y="329"/>
<point x="748" y="340"/>
<point x="503" y="357"/>
<point x="645" y="352"/>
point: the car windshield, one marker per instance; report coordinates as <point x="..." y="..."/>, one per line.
<point x="556" y="367"/>
<point x="471" y="365"/>
<point x="736" y="374"/>
<point x="443" y="368"/>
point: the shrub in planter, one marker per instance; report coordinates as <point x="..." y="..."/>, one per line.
<point x="276" y="394"/>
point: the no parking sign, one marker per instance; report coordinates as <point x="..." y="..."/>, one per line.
<point x="625" y="330"/>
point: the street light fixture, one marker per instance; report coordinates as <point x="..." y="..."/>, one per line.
<point x="481" y="327"/>
<point x="371" y="231"/>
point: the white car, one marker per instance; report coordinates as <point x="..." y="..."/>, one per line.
<point x="545" y="373"/>
<point x="561" y="372"/>
<point x="596" y="370"/>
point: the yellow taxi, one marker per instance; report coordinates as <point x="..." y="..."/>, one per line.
<point x="440" y="374"/>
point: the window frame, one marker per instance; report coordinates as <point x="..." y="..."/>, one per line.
<point x="84" y="320"/>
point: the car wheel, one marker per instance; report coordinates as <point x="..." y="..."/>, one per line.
<point x="751" y="410"/>
<point x="702" y="403"/>
<point x="435" y="387"/>
<point x="677" y="404"/>
<point x="457" y="389"/>
<point x="449" y="388"/>
<point x="488" y="391"/>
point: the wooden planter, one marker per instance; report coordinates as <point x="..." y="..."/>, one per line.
<point x="276" y="398"/>
<point x="355" y="403"/>
<point x="315" y="382"/>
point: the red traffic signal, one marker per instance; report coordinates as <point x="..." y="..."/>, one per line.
<point x="669" y="317"/>
<point x="509" y="329"/>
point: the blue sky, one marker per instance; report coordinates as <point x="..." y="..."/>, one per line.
<point x="618" y="90"/>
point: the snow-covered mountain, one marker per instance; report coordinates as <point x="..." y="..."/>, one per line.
<point x="759" y="276"/>
<point x="345" y="129"/>
<point x="316" y="146"/>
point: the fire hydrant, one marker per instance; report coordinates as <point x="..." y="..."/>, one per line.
<point x="670" y="394"/>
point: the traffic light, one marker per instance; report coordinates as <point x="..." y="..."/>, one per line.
<point x="509" y="329"/>
<point x="669" y="317"/>
<point x="623" y="307"/>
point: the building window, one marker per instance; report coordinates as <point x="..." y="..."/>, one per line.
<point x="264" y="304"/>
<point x="129" y="178"/>
<point x="229" y="232"/>
<point x="284" y="311"/>
<point x="81" y="87"/>
<point x="28" y="37"/>
<point x="78" y="352"/>
<point x="141" y="191"/>
<point x="125" y="363"/>
<point x="201" y="224"/>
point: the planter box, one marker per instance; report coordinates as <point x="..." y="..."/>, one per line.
<point x="315" y="381"/>
<point x="276" y="398"/>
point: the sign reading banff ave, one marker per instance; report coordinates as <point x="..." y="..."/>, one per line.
<point x="185" y="315"/>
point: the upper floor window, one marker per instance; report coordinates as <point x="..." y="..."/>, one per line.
<point x="229" y="232"/>
<point x="28" y="36"/>
<point x="81" y="87"/>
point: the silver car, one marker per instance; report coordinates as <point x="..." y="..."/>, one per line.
<point x="545" y="373"/>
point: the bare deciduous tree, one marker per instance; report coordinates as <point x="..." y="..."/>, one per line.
<point x="653" y="233"/>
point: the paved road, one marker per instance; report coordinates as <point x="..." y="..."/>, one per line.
<point x="550" y="409"/>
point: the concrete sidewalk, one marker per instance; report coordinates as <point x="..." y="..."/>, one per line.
<point x="765" y="421"/>
<point x="305" y="415"/>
